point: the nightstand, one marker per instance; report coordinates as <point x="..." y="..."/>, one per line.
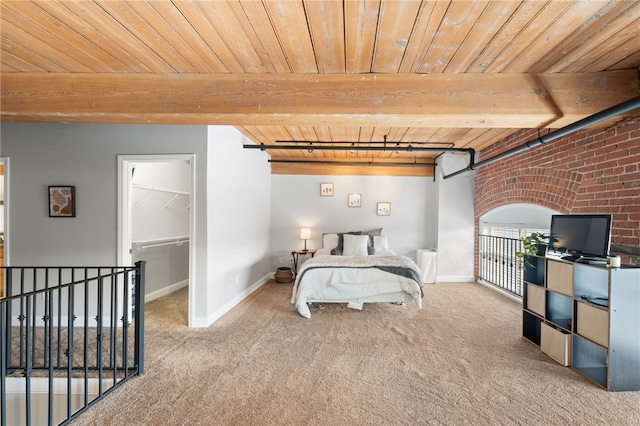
<point x="296" y="254"/>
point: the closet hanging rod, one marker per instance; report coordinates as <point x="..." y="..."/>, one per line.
<point x="142" y="245"/>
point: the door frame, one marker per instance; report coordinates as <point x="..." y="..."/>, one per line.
<point x="125" y="207"/>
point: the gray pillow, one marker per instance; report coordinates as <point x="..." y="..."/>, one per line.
<point x="374" y="233"/>
<point x="337" y="250"/>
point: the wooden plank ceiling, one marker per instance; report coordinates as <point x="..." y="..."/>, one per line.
<point x="363" y="81"/>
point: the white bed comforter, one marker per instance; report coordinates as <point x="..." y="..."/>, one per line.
<point x="340" y="278"/>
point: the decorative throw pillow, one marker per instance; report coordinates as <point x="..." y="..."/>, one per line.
<point x="337" y="251"/>
<point x="329" y="241"/>
<point x="355" y="245"/>
<point x="380" y="243"/>
<point x="371" y="248"/>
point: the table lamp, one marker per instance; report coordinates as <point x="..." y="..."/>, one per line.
<point x="305" y="234"/>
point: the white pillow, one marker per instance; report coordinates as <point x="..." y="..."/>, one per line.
<point x="355" y="245"/>
<point x="380" y="243"/>
<point x="330" y="241"/>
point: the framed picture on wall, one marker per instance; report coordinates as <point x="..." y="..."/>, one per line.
<point x="384" y="209"/>
<point x="62" y="201"/>
<point x="326" y="189"/>
<point x="354" y="200"/>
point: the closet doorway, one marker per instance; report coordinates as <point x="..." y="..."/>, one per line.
<point x="155" y="223"/>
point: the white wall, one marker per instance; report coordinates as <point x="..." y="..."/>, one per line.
<point x="456" y="220"/>
<point x="239" y="219"/>
<point x="296" y="203"/>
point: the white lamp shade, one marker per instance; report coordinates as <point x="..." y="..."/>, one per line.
<point x="305" y="233"/>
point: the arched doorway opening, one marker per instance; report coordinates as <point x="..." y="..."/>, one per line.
<point x="499" y="232"/>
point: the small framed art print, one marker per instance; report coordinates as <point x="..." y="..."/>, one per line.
<point x="326" y="189"/>
<point x="384" y="209"/>
<point x="62" y="201"/>
<point x="354" y="200"/>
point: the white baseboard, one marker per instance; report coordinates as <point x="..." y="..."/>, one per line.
<point x="202" y="323"/>
<point x="166" y="290"/>
<point x="455" y="279"/>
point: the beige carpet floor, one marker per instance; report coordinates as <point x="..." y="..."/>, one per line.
<point x="460" y="360"/>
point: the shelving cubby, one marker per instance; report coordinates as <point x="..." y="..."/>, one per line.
<point x="534" y="271"/>
<point x="533" y="298"/>
<point x="531" y="327"/>
<point x="559" y="310"/>
<point x="586" y="317"/>
<point x="607" y="326"/>
<point x="556" y="339"/>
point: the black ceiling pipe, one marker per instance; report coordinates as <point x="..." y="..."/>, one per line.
<point x="621" y="108"/>
<point x="410" y="148"/>
<point x="356" y="163"/>
<point x="389" y="145"/>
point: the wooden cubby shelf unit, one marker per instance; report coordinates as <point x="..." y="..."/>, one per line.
<point x="586" y="317"/>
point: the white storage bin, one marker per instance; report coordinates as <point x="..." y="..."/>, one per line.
<point x="427" y="262"/>
<point x="555" y="343"/>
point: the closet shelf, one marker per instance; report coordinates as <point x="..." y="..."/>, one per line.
<point x="150" y="188"/>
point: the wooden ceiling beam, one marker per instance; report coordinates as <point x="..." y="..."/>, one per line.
<point x="350" y="168"/>
<point x="399" y="100"/>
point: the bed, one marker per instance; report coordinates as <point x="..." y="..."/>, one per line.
<point x="356" y="268"/>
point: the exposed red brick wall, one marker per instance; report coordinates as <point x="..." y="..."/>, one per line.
<point x="589" y="171"/>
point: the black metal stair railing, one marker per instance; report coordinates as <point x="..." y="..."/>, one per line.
<point x="498" y="265"/>
<point x="67" y="329"/>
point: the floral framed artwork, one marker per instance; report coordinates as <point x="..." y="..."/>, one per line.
<point x="354" y="200"/>
<point x="384" y="209"/>
<point x="326" y="189"/>
<point x="62" y="201"/>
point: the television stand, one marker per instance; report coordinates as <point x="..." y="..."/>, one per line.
<point x="586" y="317"/>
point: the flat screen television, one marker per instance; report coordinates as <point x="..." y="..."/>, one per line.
<point x="583" y="235"/>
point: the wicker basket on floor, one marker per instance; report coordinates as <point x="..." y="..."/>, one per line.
<point x="283" y="275"/>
